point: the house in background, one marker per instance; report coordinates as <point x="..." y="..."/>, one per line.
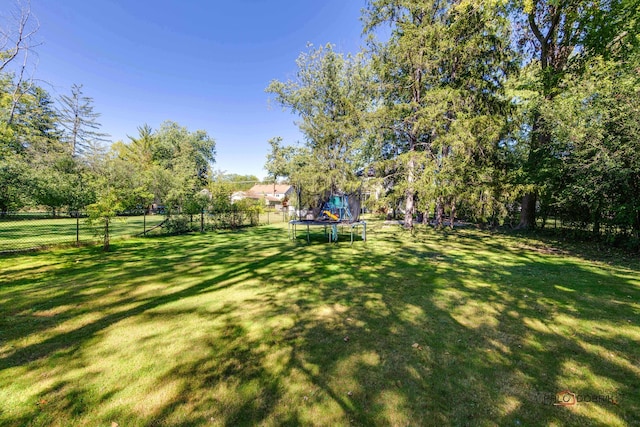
<point x="238" y="195"/>
<point x="274" y="195"/>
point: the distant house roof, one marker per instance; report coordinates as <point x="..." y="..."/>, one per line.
<point x="238" y="195"/>
<point x="267" y="189"/>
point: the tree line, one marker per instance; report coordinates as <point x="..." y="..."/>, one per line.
<point x="53" y="155"/>
<point x="505" y="112"/>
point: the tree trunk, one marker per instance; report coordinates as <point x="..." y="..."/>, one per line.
<point x="552" y="62"/>
<point x="409" y="207"/>
<point x="439" y="212"/>
<point x="106" y="235"/>
<point x="452" y="217"/>
<point x="539" y="139"/>
<point x="597" y="215"/>
<point x="528" y="212"/>
<point x="483" y="207"/>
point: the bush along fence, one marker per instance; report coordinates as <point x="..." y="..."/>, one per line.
<point x="33" y="230"/>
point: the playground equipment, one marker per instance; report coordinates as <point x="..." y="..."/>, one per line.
<point x="338" y="209"/>
<point x="330" y="215"/>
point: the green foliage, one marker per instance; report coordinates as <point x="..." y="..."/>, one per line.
<point x="177" y="224"/>
<point x="441" y="109"/>
<point x="311" y="190"/>
<point x="330" y="96"/>
<point x="169" y="166"/>
<point x="560" y="38"/>
<point x="220" y="195"/>
<point x="237" y="182"/>
<point x="13" y="181"/>
<point x="253" y="205"/>
<point x="58" y="182"/>
<point x="279" y="159"/>
<point x="196" y="203"/>
<point x="102" y="212"/>
<point x="117" y="188"/>
<point x="595" y="125"/>
<point x="185" y="159"/>
<point x="36" y="167"/>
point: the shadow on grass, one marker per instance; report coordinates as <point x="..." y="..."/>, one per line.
<point x="438" y="329"/>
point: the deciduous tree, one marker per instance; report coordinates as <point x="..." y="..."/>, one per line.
<point x="553" y="35"/>
<point x="330" y="96"/>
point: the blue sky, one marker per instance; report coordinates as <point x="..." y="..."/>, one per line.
<point x="203" y="64"/>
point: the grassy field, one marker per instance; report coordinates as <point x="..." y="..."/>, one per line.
<point x="33" y="233"/>
<point x="22" y="234"/>
<point x="247" y="327"/>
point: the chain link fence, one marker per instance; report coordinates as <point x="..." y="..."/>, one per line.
<point x="33" y="230"/>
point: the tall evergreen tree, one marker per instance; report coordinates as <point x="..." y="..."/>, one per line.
<point x="440" y="76"/>
<point x="80" y="122"/>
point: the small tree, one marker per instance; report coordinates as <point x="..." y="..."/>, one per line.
<point x="102" y="212"/>
<point x="115" y="191"/>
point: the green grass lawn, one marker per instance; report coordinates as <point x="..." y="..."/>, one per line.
<point x="247" y="327"/>
<point x="22" y="234"/>
<point x="33" y="233"/>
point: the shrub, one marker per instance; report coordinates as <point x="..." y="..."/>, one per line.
<point x="177" y="225"/>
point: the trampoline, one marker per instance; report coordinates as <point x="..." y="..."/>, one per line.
<point x="330" y="228"/>
<point x="338" y="210"/>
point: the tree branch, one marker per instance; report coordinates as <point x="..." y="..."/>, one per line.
<point x="22" y="37"/>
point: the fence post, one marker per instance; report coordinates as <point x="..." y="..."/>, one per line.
<point x="77" y="228"/>
<point x="202" y="221"/>
<point x="144" y="222"/>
